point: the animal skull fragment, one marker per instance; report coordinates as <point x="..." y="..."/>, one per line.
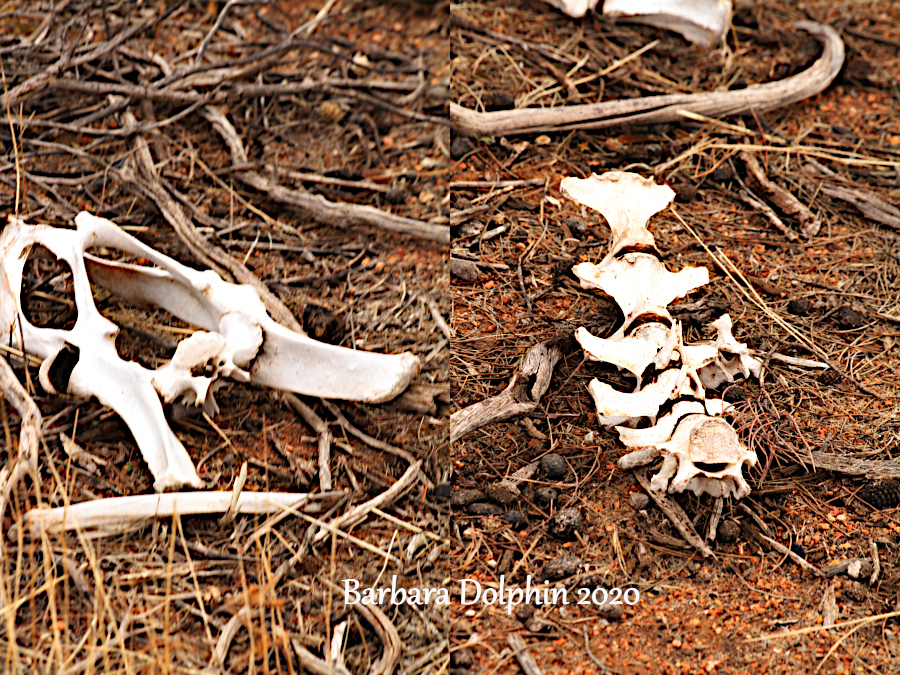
<point x="238" y="340"/>
<point x="701" y="452"/>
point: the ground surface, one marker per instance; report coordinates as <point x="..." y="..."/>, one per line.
<point x="694" y="614"/>
<point x="357" y="126"/>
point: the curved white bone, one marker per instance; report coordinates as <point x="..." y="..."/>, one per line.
<point x="633" y="353"/>
<point x="702" y="22"/>
<point x="124" y="386"/>
<point x="617" y="407"/>
<point x="287" y="360"/>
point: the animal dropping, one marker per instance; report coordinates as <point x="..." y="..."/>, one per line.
<point x="700" y="450"/>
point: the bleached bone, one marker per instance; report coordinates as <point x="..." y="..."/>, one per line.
<point x="704" y="455"/>
<point x="633" y="353"/>
<point x="242" y="341"/>
<point x="702" y="22"/>
<point x="701" y="452"/>
<point x="121" y="514"/>
<point x="574" y="8"/>
<point x="616" y="407"/>
<point x="657" y="287"/>
<point x="626" y="200"/>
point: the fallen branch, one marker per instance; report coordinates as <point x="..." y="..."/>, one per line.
<point x="523" y="656"/>
<point x="869" y="204"/>
<point x="29" y="434"/>
<point x="323" y="433"/>
<point x="757" y="98"/>
<point x="146" y="179"/>
<point x="528" y="384"/>
<point x="674" y="513"/>
<point x="874" y="469"/>
<point x="316" y="206"/>
<point x="358" y="513"/>
<point x="796" y="557"/>
<point x="783" y="199"/>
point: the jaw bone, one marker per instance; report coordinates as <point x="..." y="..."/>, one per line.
<point x="240" y="340"/>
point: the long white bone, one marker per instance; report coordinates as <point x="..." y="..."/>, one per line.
<point x="242" y="341"/>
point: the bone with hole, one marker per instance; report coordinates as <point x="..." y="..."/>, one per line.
<point x="700" y="450"/>
<point x="237" y="340"/>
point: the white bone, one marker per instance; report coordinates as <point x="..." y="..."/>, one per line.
<point x="120" y="514"/>
<point x="702" y="22"/>
<point x="241" y="341"/>
<point x="633" y="353"/>
<point x="574" y="8"/>
<point x="684" y="441"/>
<point x="617" y="407"/>
<point x="690" y="438"/>
<point x="626" y="200"/>
<point x="640" y="284"/>
<point x="708" y="441"/>
<point x="662" y="430"/>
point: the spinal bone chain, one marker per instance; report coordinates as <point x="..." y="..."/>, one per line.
<point x="701" y="451"/>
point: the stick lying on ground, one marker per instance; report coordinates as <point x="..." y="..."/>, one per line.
<point x="757" y="98"/>
<point x="521" y="395"/>
<point x="324" y="211"/>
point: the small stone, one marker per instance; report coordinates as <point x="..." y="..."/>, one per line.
<point x="460" y="147"/>
<point x="729" y="531"/>
<point x="544" y="496"/>
<point x="855" y="591"/>
<point x="525" y="612"/>
<point x="639" y="500"/>
<point x="566" y="523"/>
<point x="462" y="498"/>
<point x="484" y="509"/>
<point x="516" y="518"/>
<point x="849" y="317"/>
<point x="554" y="466"/>
<point x="685" y="192"/>
<point x="829" y="377"/>
<point x="735" y="394"/>
<point x="609" y="611"/>
<point x="800" y="307"/>
<point x="560" y="568"/>
<point x="441" y="492"/>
